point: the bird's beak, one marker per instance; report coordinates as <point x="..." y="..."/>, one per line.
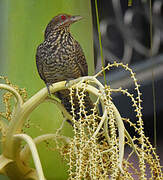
<point x="76" y="18"/>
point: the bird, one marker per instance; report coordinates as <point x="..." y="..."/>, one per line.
<point x="61" y="58"/>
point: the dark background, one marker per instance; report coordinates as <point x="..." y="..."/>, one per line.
<point x="125" y="32"/>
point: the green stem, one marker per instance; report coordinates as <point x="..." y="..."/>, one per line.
<point x="153" y="78"/>
<point x="34" y="152"/>
<point x="12" y="146"/>
<point x="100" y="42"/>
<point x="26" y="150"/>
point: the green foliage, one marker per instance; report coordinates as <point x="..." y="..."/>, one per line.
<point x="24" y="23"/>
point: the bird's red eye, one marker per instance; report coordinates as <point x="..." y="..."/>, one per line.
<point x="63" y="17"/>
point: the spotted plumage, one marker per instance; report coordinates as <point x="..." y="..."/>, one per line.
<point x="60" y="57"/>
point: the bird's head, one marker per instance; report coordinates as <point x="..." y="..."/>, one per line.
<point x="61" y="21"/>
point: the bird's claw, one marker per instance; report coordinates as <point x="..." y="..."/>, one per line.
<point x="47" y="85"/>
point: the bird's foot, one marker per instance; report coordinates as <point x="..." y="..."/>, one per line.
<point x="47" y="85"/>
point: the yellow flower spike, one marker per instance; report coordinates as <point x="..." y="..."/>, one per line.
<point x="97" y="149"/>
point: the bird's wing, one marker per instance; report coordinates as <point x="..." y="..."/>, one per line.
<point x="39" y="63"/>
<point x="80" y="59"/>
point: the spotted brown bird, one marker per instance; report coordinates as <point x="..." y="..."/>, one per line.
<point x="60" y="57"/>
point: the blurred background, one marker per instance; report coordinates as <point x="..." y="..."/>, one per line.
<point x="126" y="37"/>
<point x="22" y="26"/>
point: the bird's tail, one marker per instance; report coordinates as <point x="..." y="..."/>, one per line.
<point x="64" y="96"/>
